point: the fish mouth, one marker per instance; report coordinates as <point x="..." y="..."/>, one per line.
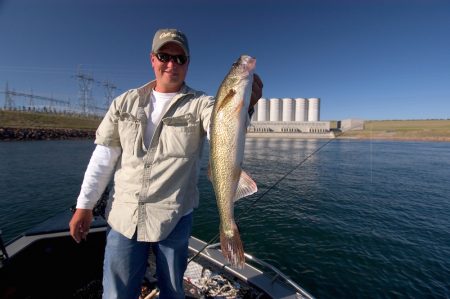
<point x="244" y="65"/>
<point x="249" y="62"/>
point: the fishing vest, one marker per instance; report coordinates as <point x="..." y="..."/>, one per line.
<point x="155" y="186"/>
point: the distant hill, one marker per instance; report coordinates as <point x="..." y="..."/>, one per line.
<point x="425" y="130"/>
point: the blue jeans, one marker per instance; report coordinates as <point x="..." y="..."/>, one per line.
<point x="125" y="263"/>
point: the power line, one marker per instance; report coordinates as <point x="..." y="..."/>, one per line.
<point x="10" y="94"/>
<point x="86" y="83"/>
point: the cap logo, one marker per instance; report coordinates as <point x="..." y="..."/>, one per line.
<point x="170" y="35"/>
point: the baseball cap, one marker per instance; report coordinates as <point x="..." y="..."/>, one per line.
<point x="164" y="36"/>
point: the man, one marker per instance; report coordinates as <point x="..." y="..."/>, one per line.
<point x="151" y="139"/>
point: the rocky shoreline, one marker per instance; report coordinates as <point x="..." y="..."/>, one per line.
<point x="22" y="134"/>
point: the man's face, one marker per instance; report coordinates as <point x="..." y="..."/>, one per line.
<point x="169" y="75"/>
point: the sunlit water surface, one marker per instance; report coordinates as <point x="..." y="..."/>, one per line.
<point x="368" y="219"/>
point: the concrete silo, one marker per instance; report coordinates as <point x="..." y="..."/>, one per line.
<point x="255" y="113"/>
<point x="262" y="110"/>
<point x="274" y="114"/>
<point x="301" y="109"/>
<point x="287" y="109"/>
<point x="313" y="109"/>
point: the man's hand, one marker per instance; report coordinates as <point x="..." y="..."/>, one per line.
<point x="256" y="90"/>
<point x="80" y="224"/>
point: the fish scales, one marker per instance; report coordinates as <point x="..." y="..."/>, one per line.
<point x="227" y="139"/>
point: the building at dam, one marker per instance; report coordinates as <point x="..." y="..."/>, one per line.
<point x="298" y="116"/>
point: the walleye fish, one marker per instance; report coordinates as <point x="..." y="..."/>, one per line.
<point x="227" y="141"/>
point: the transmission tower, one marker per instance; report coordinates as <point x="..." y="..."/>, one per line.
<point x="30" y="100"/>
<point x="9" y="102"/>
<point x="85" y="83"/>
<point x="109" y="92"/>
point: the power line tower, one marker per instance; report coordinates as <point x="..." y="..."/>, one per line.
<point x="9" y="102"/>
<point x="85" y="83"/>
<point x="109" y="92"/>
<point x="30" y="100"/>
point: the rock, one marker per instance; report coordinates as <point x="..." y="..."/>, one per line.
<point x="11" y="134"/>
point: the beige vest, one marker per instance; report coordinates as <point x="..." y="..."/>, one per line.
<point x="154" y="187"/>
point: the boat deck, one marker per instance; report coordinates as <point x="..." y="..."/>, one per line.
<point x="45" y="262"/>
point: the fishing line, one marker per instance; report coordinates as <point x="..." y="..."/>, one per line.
<point x="283" y="177"/>
<point x="216" y="237"/>
<point x="213" y="240"/>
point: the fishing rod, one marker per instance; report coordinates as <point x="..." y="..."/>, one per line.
<point x="216" y="237"/>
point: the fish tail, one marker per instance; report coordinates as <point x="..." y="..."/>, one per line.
<point x="232" y="248"/>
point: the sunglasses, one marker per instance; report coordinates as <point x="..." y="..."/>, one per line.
<point x="178" y="59"/>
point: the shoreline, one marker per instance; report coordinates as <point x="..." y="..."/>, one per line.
<point x="348" y="137"/>
<point x="29" y="134"/>
<point x="25" y="125"/>
<point x="387" y="138"/>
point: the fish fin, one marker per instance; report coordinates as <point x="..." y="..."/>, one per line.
<point x="226" y="99"/>
<point x="232" y="247"/>
<point x="239" y="107"/>
<point x="246" y="186"/>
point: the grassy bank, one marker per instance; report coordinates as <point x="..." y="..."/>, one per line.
<point x="19" y="119"/>
<point x="433" y="130"/>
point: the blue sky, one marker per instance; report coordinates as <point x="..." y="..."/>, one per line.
<point x="365" y="59"/>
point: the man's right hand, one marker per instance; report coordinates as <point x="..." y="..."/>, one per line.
<point x="80" y="224"/>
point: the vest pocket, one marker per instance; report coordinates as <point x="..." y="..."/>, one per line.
<point x="128" y="131"/>
<point x="180" y="136"/>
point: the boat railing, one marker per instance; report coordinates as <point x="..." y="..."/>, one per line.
<point x="278" y="274"/>
<point x="3" y="252"/>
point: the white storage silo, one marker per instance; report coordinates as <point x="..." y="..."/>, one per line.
<point x="274" y="114"/>
<point x="287" y="109"/>
<point x="313" y="109"/>
<point x="255" y="113"/>
<point x="262" y="110"/>
<point x="301" y="109"/>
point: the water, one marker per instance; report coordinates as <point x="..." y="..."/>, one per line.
<point x="365" y="219"/>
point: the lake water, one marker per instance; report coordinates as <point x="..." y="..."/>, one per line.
<point x="365" y="219"/>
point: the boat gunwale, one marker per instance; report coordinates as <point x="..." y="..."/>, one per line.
<point x="248" y="274"/>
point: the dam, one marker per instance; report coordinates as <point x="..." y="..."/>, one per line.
<point x="289" y="117"/>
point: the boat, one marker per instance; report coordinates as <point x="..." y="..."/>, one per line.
<point x="45" y="262"/>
